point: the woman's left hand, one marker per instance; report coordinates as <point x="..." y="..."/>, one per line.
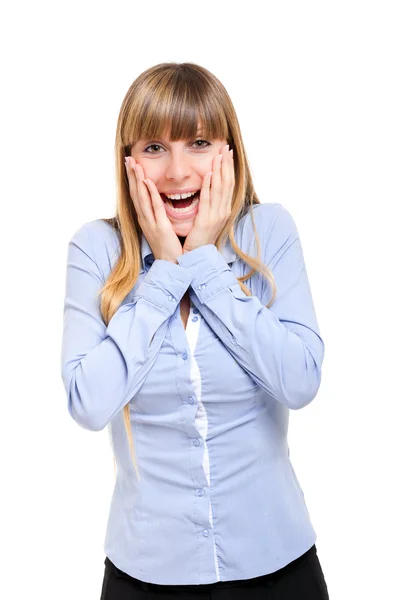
<point x="215" y="203"/>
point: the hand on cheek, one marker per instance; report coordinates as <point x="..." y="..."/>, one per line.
<point x="215" y="201"/>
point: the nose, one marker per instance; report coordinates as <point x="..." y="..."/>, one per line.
<point x="178" y="167"/>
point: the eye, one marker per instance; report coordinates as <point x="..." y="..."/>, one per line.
<point x="203" y="142"/>
<point x="152" y="146"/>
<point x="159" y="146"/>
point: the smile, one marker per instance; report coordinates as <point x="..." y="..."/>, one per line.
<point x="182" y="209"/>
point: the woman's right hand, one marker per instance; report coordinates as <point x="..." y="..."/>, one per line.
<point x="153" y="219"/>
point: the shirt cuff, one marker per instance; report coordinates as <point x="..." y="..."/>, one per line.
<point x="164" y="284"/>
<point x="210" y="271"/>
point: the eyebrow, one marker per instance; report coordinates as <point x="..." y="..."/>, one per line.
<point x="199" y="132"/>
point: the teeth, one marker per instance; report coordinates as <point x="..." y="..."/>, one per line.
<point x="179" y="196"/>
<point x="187" y="209"/>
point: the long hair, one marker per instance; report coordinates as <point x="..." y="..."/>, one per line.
<point x="172" y="98"/>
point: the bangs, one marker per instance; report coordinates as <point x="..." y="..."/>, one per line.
<point x="177" y="109"/>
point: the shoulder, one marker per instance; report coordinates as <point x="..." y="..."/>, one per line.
<point x="273" y="215"/>
<point x="99" y="240"/>
<point x="275" y="228"/>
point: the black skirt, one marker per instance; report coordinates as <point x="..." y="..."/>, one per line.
<point x="302" y="578"/>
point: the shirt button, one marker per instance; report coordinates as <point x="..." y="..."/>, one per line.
<point x="171" y="298"/>
<point x="200" y="492"/>
<point x="195" y="319"/>
<point x="205" y="532"/>
<point x="184" y="355"/>
<point x="196" y="311"/>
<point x="196" y="443"/>
<point x="190" y="400"/>
<point x="201" y="286"/>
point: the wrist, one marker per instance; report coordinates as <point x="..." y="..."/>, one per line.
<point x="169" y="259"/>
<point x="172" y="260"/>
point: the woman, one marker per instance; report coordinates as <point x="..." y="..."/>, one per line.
<point x="192" y="370"/>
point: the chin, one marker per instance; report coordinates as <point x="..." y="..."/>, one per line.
<point x="182" y="229"/>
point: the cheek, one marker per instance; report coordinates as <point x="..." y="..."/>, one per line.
<point x="150" y="170"/>
<point x="211" y="164"/>
<point x="146" y="170"/>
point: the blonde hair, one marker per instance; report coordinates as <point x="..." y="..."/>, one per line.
<point x="178" y="95"/>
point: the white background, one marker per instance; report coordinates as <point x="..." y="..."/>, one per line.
<point x="316" y="90"/>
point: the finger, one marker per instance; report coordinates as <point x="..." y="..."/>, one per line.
<point x="226" y="167"/>
<point x="216" y="185"/>
<point x="132" y="181"/>
<point x="157" y="202"/>
<point x="130" y="164"/>
<point x="145" y="199"/>
<point x="228" y="178"/>
<point x="205" y="195"/>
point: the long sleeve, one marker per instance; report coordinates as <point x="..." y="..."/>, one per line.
<point x="279" y="347"/>
<point x="104" y="367"/>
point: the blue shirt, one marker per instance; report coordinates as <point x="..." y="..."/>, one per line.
<point x="217" y="498"/>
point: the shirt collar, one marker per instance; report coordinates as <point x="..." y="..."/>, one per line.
<point x="147" y="255"/>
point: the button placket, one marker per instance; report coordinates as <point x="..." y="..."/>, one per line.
<point x="200" y="490"/>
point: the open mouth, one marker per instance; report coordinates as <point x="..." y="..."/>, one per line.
<point x="182" y="206"/>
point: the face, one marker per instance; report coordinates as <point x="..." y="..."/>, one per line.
<point x="177" y="166"/>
